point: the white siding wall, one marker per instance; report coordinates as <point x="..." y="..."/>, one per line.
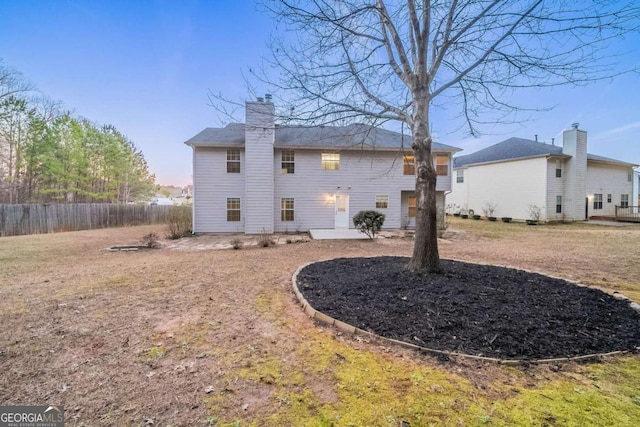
<point x="459" y="197"/>
<point x="635" y="201"/>
<point x="511" y="186"/>
<point x="361" y="176"/>
<point x="574" y="143"/>
<point x="555" y="187"/>
<point x="258" y="167"/>
<point x="607" y="179"/>
<point x="312" y="188"/>
<point x="212" y="186"/>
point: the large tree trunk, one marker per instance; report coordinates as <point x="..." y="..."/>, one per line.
<point x="425" y="250"/>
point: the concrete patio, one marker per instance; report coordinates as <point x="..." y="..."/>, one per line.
<point x="337" y="234"/>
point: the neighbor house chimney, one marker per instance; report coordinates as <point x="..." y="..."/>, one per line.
<point x="574" y="144"/>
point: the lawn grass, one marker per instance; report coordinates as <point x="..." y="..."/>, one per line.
<point x="216" y="337"/>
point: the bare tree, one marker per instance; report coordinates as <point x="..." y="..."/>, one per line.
<point x="12" y="83"/>
<point x="398" y="60"/>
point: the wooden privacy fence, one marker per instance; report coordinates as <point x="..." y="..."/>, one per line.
<point x="50" y="218"/>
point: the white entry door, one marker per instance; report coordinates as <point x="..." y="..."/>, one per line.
<point x="342" y="211"/>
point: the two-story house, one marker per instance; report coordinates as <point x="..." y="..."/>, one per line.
<point x="264" y="177"/>
<point x="564" y="182"/>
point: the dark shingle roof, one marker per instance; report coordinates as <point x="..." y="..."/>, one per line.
<point x="355" y="136"/>
<point x="519" y="148"/>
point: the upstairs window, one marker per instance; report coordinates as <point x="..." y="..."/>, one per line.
<point x="597" y="201"/>
<point x="442" y="165"/>
<point x="330" y="161"/>
<point x="288" y="162"/>
<point x="408" y="164"/>
<point x="233" y="209"/>
<point x="382" y="201"/>
<point x="460" y="176"/>
<point x="233" y="160"/>
<point x="624" y="200"/>
<point x="558" y="169"/>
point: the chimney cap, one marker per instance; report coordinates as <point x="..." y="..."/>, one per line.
<point x="267" y="97"/>
<point x="260" y="99"/>
<point x="575" y="125"/>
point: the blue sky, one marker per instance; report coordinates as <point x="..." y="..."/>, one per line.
<point x="146" y="67"/>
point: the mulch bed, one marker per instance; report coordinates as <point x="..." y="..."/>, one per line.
<point x="474" y="309"/>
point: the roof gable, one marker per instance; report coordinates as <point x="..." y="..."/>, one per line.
<point x="510" y="149"/>
<point x="517" y="149"/>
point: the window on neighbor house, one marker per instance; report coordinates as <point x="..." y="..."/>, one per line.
<point x="408" y="164"/>
<point x="288" y="162"/>
<point x="442" y="165"/>
<point x="330" y="161"/>
<point x="558" y="204"/>
<point x="624" y="200"/>
<point x="411" y="213"/>
<point x="630" y="175"/>
<point x="460" y="176"/>
<point x="597" y="201"/>
<point x="558" y="169"/>
<point x="382" y="201"/>
<point x="233" y="209"/>
<point x="608" y="198"/>
<point x="286" y="209"/>
<point x="233" y="160"/>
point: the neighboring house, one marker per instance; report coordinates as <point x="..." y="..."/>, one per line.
<point x="187" y="191"/>
<point x="264" y="177"/>
<point x="566" y="183"/>
<point x="161" y="201"/>
<point x="636" y="188"/>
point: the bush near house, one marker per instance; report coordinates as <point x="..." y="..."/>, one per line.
<point x="179" y="222"/>
<point x="369" y="222"/>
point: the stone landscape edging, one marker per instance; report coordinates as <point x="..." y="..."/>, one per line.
<point x="350" y="329"/>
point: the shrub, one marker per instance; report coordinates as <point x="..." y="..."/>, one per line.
<point x="237" y="244"/>
<point x="151" y="240"/>
<point x="266" y="239"/>
<point x="179" y="222"/>
<point x="535" y="212"/>
<point x="369" y="222"/>
<point x="488" y="209"/>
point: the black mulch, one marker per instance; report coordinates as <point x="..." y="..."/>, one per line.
<point x="473" y="309"/>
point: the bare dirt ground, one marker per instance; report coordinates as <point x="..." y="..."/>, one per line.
<point x="186" y="335"/>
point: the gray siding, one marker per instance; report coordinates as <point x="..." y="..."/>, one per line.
<point x="212" y="186"/>
<point x="259" y="191"/>
<point x="362" y="176"/>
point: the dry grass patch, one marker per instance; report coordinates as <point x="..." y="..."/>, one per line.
<point x="215" y="337"/>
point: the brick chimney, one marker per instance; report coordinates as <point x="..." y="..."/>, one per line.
<point x="259" y="179"/>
